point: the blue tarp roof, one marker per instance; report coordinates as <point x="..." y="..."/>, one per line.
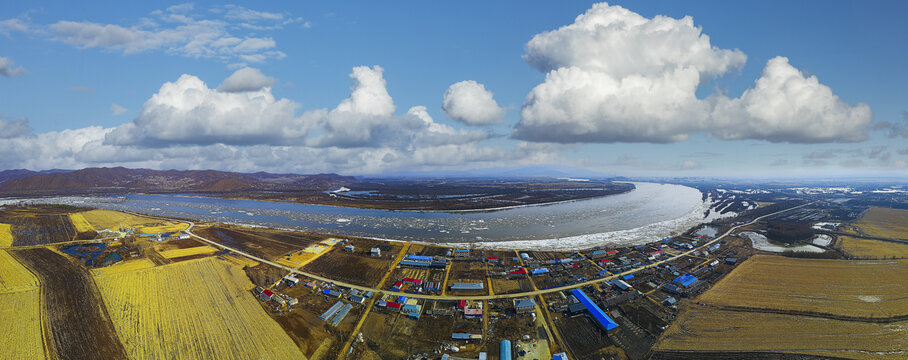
<point x="597" y="252"/>
<point x="539" y="271"/>
<point x="417" y="257"/>
<point x="685" y="280"/>
<point x="594" y="309"/>
<point x="628" y="276"/>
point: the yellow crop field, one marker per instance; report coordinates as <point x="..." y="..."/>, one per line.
<point x="13" y="275"/>
<point x="198" y="309"/>
<point x="704" y="329"/>
<point x="872" y="249"/>
<point x="80" y="223"/>
<point x="175" y="253"/>
<point x="123" y="266"/>
<point x="241" y="260"/>
<point x="110" y="219"/>
<point x="20" y="313"/>
<point x="884" y="222"/>
<point x="20" y="325"/>
<point x="857" y="288"/>
<point x="6" y="236"/>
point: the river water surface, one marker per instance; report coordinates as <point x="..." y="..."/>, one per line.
<point x="647" y="213"/>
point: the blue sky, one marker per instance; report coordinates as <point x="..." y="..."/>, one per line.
<point x="66" y="69"/>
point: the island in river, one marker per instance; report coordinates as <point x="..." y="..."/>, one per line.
<point x="420" y="194"/>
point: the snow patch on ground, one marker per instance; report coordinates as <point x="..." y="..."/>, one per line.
<point x="868" y="298"/>
<point x="820" y="225"/>
<point x="760" y="242"/>
<point x="822" y="240"/>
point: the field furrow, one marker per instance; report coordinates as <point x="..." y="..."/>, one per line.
<point x="192" y="310"/>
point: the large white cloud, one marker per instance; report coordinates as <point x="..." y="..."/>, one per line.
<point x="188" y="112"/>
<point x="615" y="76"/>
<point x="619" y="42"/>
<point x="784" y="105"/>
<point x="575" y="105"/>
<point x="246" y="79"/>
<point x="366" y="119"/>
<point x="470" y="103"/>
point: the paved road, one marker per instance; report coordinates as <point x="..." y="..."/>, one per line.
<point x="475" y="297"/>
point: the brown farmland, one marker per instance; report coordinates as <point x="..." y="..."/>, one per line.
<point x="76" y="322"/>
<point x="41" y="229"/>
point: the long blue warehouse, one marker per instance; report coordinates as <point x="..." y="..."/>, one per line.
<point x="594" y="309"/>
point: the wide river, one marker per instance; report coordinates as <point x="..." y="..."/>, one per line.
<point x="647" y="213"/>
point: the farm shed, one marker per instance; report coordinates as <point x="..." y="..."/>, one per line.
<point x="341" y="314"/>
<point x="575" y="309"/>
<point x="291" y="280"/>
<point x="415" y="263"/>
<point x="376" y="252"/>
<point x="523" y="306"/>
<point x="594" y="310"/>
<point x="467" y="286"/>
<point x="685" y="280"/>
<point x="621" y="284"/>
<point x="331" y="311"/>
<point x="472" y="313"/>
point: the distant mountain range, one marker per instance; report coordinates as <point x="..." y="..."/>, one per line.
<point x="119" y="179"/>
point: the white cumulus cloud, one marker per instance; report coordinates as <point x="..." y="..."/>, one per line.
<point x="615" y="76"/>
<point x="367" y="119"/>
<point x="246" y="79"/>
<point x="470" y="103"/>
<point x="188" y="112"/>
<point x="785" y="106"/>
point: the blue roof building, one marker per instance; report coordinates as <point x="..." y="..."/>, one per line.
<point x="685" y="280"/>
<point x="594" y="310"/>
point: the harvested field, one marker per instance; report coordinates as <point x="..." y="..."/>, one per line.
<point x="252" y="243"/>
<point x="123" y="266"/>
<point x="856" y="289"/>
<point x="872" y="249"/>
<point x="20" y="311"/>
<point x="884" y="222"/>
<point x="110" y="219"/>
<point x="41" y="229"/>
<point x="76" y="323"/>
<point x="157" y="319"/>
<point x="308" y="332"/>
<point x="508" y="286"/>
<point x="6" y="237"/>
<point x="80" y="223"/>
<point x="587" y="340"/>
<point x="704" y="329"/>
<point x="198" y="250"/>
<point x="354" y="269"/>
<point x="13" y="276"/>
<point x="240" y="260"/>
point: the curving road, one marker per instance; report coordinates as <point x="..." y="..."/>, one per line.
<point x="474" y="297"/>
